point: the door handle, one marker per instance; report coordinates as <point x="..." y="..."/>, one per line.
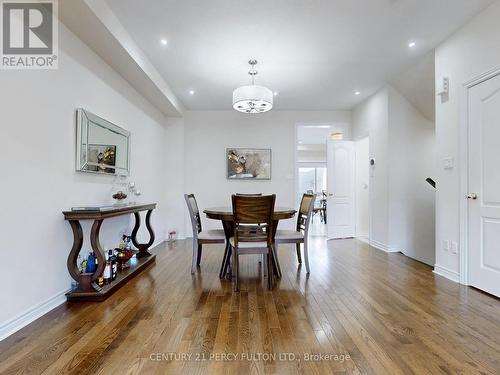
<point x="472" y="196"/>
<point x="330" y="194"/>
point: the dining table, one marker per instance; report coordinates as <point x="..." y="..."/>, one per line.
<point x="225" y="215"/>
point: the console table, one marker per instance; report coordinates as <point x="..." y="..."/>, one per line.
<point x="87" y="289"/>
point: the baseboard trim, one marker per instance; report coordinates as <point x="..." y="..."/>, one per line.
<point x="32" y="314"/>
<point x="383" y="247"/>
<point x="364" y="239"/>
<point x="447" y="273"/>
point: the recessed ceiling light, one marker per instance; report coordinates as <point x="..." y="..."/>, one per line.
<point x="191" y="92"/>
<point x="276" y="93"/>
<point x="164" y="42"/>
<point x="357" y="93"/>
<point x="412" y="44"/>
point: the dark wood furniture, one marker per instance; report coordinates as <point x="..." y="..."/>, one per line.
<point x="87" y="289"/>
<point x="200" y="236"/>
<point x="321" y="210"/>
<point x="225" y="214"/>
<point x="300" y="235"/>
<point x="253" y="231"/>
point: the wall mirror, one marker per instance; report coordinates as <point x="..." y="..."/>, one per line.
<point x="101" y="147"/>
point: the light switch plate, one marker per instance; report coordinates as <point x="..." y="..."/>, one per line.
<point x="446" y="245"/>
<point x="448" y="163"/>
<point x="454" y="247"/>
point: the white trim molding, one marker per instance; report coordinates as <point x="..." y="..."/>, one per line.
<point x="363" y="238"/>
<point x="32" y="314"/>
<point x="447" y="273"/>
<point x="463" y="274"/>
<point x="482" y="77"/>
<point x="383" y="247"/>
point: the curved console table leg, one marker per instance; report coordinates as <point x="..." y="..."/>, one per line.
<point x="98" y="251"/>
<point x="82" y="279"/>
<point x="143" y="247"/>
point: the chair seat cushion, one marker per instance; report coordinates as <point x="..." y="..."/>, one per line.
<point x="212" y="235"/>
<point x="288" y="235"/>
<point x="249" y="245"/>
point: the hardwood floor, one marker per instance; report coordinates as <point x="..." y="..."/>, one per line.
<point x="387" y="313"/>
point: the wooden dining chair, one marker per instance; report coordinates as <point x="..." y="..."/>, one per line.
<point x="299" y="236"/>
<point x="200" y="237"/>
<point x="253" y="231"/>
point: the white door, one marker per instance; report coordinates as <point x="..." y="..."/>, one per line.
<point x="341" y="176"/>
<point x="484" y="186"/>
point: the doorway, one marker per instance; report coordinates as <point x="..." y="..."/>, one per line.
<point x="311" y="169"/>
<point x="312" y="177"/>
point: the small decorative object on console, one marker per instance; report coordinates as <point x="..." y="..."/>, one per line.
<point x="172" y="235"/>
<point x="119" y="196"/>
<point x="122" y="257"/>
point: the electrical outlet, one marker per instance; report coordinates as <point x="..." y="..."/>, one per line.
<point x="454" y="247"/>
<point x="446" y="245"/>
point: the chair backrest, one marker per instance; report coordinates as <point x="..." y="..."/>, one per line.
<point x="194" y="213"/>
<point x="249" y="195"/>
<point x="253" y="218"/>
<point x="305" y="213"/>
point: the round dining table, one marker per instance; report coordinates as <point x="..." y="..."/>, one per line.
<point x="225" y="215"/>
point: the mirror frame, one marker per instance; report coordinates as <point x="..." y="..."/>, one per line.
<point x="80" y="114"/>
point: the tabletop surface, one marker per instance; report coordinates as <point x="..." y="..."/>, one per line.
<point x="96" y="213"/>
<point x="228" y="210"/>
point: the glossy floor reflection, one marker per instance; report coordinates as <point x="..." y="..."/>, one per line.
<point x="360" y="311"/>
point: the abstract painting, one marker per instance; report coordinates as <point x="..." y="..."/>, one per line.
<point x="248" y="164"/>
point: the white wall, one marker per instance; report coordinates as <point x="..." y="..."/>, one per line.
<point x="471" y="51"/>
<point x="38" y="171"/>
<point x="411" y="199"/>
<point x="371" y="118"/>
<point x="209" y="133"/>
<point x="175" y="208"/>
<point x="362" y="148"/>
<point x="402" y="144"/>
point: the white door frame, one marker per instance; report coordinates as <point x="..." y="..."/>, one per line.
<point x="464" y="170"/>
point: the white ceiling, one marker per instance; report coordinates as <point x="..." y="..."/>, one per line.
<point x="315" y="53"/>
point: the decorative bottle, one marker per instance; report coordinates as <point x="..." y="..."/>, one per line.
<point x="107" y="272"/>
<point x="114" y="264"/>
<point x="91" y="263"/>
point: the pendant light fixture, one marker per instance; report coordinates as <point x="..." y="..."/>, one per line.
<point x="252" y="98"/>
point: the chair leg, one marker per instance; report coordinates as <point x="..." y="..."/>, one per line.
<point x="306" y="256"/>
<point x="195" y="256"/>
<point x="263" y="258"/>
<point x="236" y="270"/>
<point x="299" y="257"/>
<point x="198" y="260"/>
<point x="269" y="271"/>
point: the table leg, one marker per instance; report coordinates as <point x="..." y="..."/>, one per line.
<point x="276" y="263"/>
<point x="226" y="270"/>
<point x="98" y="251"/>
<point x="143" y="247"/>
<point x="84" y="280"/>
